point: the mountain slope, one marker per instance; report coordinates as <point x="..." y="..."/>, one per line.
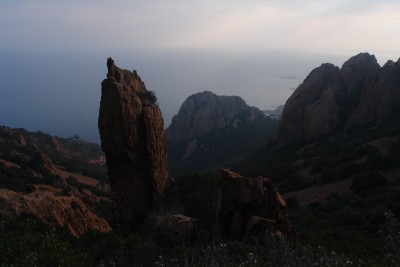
<point x="210" y="131"/>
<point x="63" y="182"/>
<point x="337" y="155"/>
<point x="339" y="123"/>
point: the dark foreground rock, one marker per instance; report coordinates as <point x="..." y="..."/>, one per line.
<point x="245" y="207"/>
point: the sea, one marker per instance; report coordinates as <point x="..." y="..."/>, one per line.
<point x="59" y="93"/>
<point x="54" y="95"/>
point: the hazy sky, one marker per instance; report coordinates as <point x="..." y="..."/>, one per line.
<point x="258" y="50"/>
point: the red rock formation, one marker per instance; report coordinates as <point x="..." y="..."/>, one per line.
<point x="49" y="205"/>
<point x="244" y="204"/>
<point x="42" y="163"/>
<point x="332" y="99"/>
<point x="132" y="137"/>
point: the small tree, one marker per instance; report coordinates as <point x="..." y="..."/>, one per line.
<point x="148" y="97"/>
<point x="390" y="234"/>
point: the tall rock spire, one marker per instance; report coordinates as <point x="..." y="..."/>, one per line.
<point x="132" y="137"/>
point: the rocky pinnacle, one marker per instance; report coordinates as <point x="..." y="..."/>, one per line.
<point x="132" y="137"/>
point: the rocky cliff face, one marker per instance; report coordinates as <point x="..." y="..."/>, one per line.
<point x="132" y="137"/>
<point x="380" y="99"/>
<point x="51" y="206"/>
<point x="312" y="109"/>
<point x="332" y="99"/>
<point x="205" y="111"/>
<point x="210" y="131"/>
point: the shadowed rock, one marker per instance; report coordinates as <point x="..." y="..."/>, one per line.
<point x="332" y="99"/>
<point x="312" y="109"/>
<point x="205" y="111"/>
<point x="132" y="137"/>
<point x="245" y="207"/>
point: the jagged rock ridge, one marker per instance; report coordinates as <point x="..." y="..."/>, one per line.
<point x="132" y="137"/>
<point x="332" y="99"/>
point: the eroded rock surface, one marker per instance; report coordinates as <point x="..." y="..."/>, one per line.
<point x="48" y="204"/>
<point x="332" y="99"/>
<point x="246" y="206"/>
<point x="132" y="137"/>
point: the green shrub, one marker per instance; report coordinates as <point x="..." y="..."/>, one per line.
<point x="390" y="235"/>
<point x="148" y="97"/>
<point x="28" y="242"/>
<point x="368" y="181"/>
<point x="195" y="194"/>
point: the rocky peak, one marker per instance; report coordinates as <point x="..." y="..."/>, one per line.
<point x="312" y="109"/>
<point x="127" y="78"/>
<point x="202" y="112"/>
<point x="132" y="137"/>
<point x="356" y="73"/>
<point x="381" y="97"/>
<point x="332" y="99"/>
<point x="358" y="68"/>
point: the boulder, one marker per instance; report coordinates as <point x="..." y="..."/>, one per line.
<point x="243" y="204"/>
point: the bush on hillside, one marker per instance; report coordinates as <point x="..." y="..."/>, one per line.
<point x="195" y="194"/>
<point x="367" y="181"/>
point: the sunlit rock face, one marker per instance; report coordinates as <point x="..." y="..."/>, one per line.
<point x="132" y="137"/>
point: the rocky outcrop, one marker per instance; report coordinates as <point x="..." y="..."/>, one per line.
<point x="132" y="137"/>
<point x="42" y="163"/>
<point x="48" y="204"/>
<point x="332" y="99"/>
<point x="312" y="109"/>
<point x="380" y="98"/>
<point x="203" y="112"/>
<point x="243" y="205"/>
<point x="177" y="223"/>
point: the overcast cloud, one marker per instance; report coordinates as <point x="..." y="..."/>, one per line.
<point x="252" y="48"/>
<point x="325" y="27"/>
